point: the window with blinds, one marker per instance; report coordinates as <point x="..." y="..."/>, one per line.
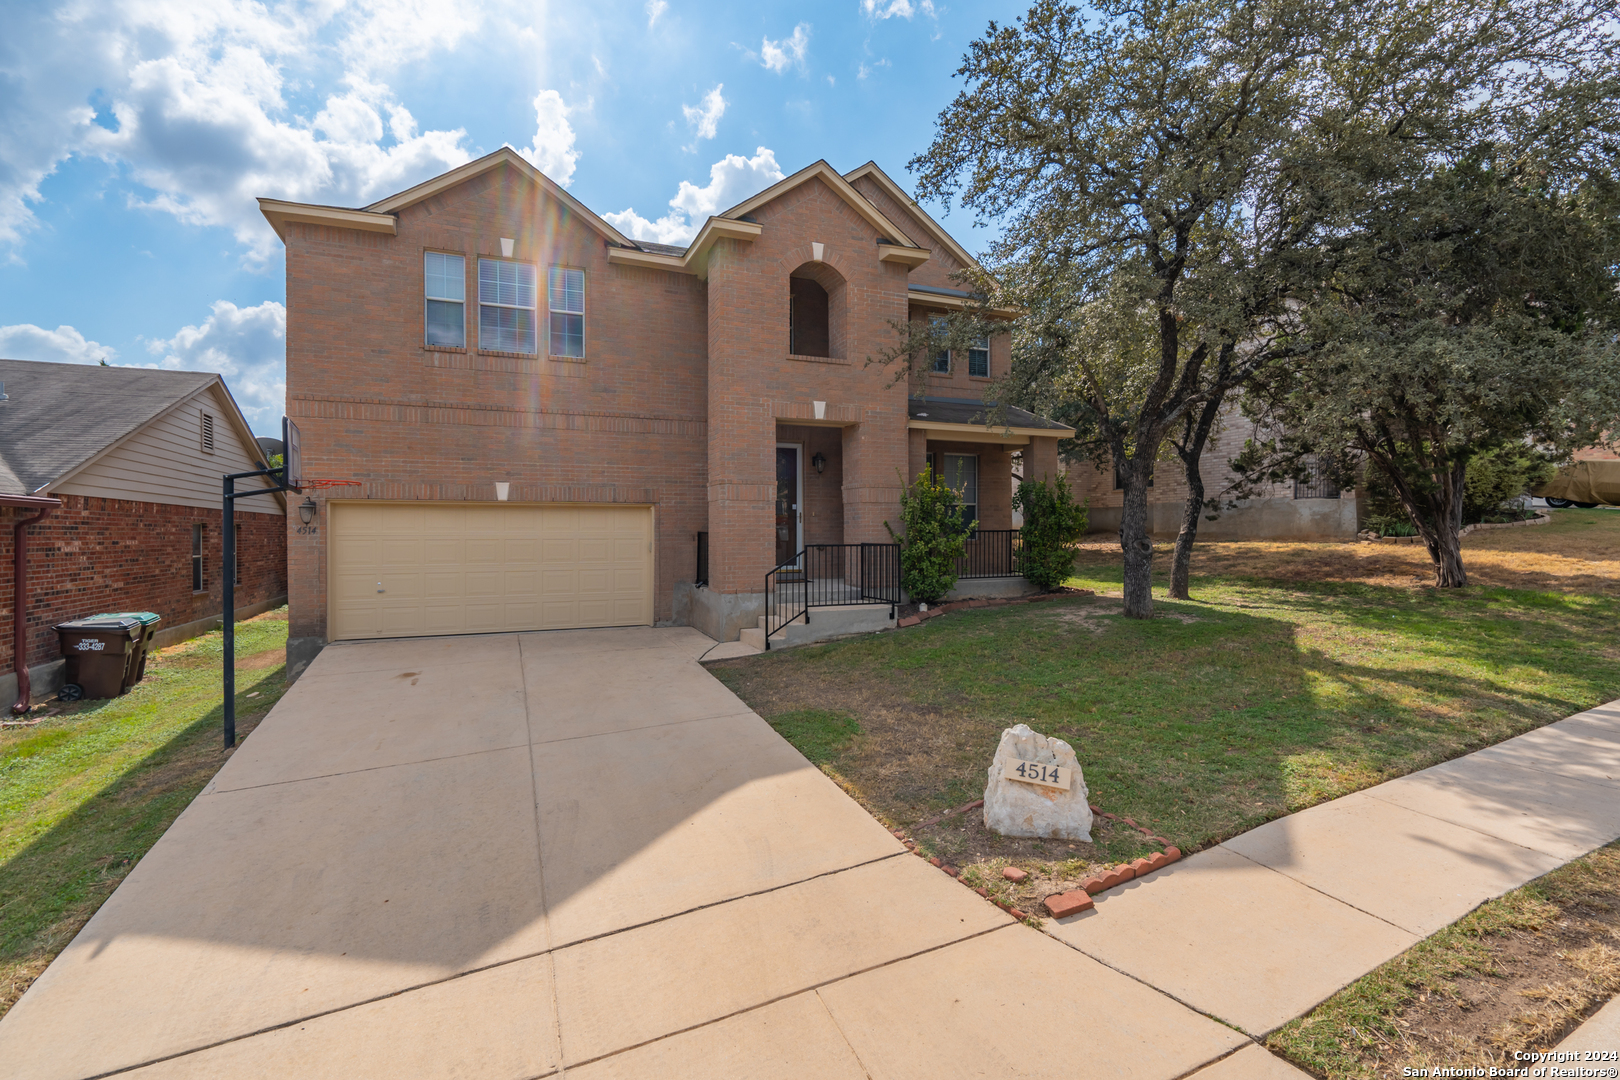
<point x="506" y="306"/>
<point x="566" y="303"/>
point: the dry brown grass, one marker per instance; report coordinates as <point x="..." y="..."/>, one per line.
<point x="1517" y="974"/>
<point x="1579" y="552"/>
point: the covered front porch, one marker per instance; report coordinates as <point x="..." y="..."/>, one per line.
<point x="835" y="497"/>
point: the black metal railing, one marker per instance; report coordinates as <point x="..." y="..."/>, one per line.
<point x="992" y="553"/>
<point x="830" y="575"/>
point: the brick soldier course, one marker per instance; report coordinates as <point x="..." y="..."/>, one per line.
<point x="686" y="385"/>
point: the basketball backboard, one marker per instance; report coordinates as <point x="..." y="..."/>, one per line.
<point x="292" y="460"/>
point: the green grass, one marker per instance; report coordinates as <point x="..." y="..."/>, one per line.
<point x="1269" y="697"/>
<point x="818" y="734"/>
<point x="86" y="793"/>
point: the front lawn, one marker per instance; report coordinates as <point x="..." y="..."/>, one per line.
<point x="1258" y="699"/>
<point x="85" y="792"/>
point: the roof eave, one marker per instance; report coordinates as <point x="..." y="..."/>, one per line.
<point x="281" y="213"/>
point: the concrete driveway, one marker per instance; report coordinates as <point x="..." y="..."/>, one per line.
<point x="530" y="854"/>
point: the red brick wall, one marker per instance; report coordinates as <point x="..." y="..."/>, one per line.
<point x="95" y="555"/>
<point x="626" y="425"/>
<point x="676" y="403"/>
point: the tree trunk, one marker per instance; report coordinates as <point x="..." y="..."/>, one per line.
<point x="1181" y="564"/>
<point x="1445" y="548"/>
<point x="1135" y="542"/>
<point x="1190" y="450"/>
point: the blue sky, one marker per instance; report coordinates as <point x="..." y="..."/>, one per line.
<point x="135" y="134"/>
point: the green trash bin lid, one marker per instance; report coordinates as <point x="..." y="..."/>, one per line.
<point x="147" y="618"/>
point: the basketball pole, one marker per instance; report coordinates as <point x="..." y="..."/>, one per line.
<point x="282" y="476"/>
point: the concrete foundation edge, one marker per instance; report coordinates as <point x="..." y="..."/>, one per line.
<point x="722" y="616"/>
<point x="301" y="651"/>
<point x="43" y="680"/>
<point x="174" y="635"/>
<point x="991" y="588"/>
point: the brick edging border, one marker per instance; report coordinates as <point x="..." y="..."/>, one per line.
<point x="1058" y="905"/>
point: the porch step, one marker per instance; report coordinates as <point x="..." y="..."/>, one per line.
<point x="753" y="636"/>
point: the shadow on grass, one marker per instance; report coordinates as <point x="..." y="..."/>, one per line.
<point x="51" y="887"/>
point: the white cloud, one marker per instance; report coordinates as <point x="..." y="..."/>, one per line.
<point x="64" y="345"/>
<point x="731" y="180"/>
<point x="905" y="9"/>
<point x="655" y="8"/>
<point x="778" y="56"/>
<point x="705" y="117"/>
<point x="865" y="70"/>
<point x="195" y="106"/>
<point x="553" y="152"/>
<point x="248" y="346"/>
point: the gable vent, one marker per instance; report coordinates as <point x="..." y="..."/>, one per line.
<point x="207" y="433"/>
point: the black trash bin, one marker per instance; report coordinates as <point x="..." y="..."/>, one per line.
<point x="149" y="623"/>
<point x="99" y="655"/>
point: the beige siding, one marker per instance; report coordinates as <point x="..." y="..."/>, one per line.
<point x="164" y="462"/>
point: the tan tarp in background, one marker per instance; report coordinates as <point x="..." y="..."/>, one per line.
<point x="1585" y="482"/>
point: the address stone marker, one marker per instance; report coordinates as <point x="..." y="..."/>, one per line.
<point x="1036" y="789"/>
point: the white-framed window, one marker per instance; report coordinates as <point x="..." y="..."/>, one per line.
<point x="565" y="290"/>
<point x="506" y="306"/>
<point x="942" y="359"/>
<point x="206" y="433"/>
<point x="979" y="358"/>
<point x="961" y="474"/>
<point x="444" y="291"/>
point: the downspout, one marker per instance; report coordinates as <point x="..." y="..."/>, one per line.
<point x="19" y="596"/>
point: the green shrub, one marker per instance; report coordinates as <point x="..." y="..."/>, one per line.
<point x="1499" y="476"/>
<point x="935" y="537"/>
<point x="1053" y="521"/>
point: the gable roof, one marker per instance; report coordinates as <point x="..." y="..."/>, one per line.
<point x="898" y="194"/>
<point x="383" y="215"/>
<point x="820" y="170"/>
<point x="58" y="418"/>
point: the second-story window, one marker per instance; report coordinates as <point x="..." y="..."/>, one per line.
<point x="942" y="359"/>
<point x="506" y="306"/>
<point x="444" y="287"/>
<point x="979" y="358"/>
<point x="566" y="289"/>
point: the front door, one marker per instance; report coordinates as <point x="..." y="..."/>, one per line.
<point x="788" y="513"/>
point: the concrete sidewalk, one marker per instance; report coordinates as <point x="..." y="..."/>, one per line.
<point x="514" y="856"/>
<point x="1261" y="929"/>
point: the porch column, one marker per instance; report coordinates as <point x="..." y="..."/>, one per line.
<point x="741" y="450"/>
<point x="917" y="453"/>
<point x="1041" y="459"/>
<point x="875" y="455"/>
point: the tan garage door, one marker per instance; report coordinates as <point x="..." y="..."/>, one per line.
<point x="404" y="569"/>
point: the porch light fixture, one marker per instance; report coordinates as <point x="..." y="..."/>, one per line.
<point x="819" y="461"/>
<point x="306" y="509"/>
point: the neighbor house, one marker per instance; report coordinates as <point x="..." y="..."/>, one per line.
<point x="541" y="423"/>
<point x="1315" y="509"/>
<point x="126" y="464"/>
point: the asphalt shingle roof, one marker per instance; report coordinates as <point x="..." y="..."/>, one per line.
<point x="959" y="411"/>
<point x="57" y="416"/>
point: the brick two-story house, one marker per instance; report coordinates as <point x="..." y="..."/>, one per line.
<point x="542" y="419"/>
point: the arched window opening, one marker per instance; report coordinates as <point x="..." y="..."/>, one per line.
<point x="808" y="331"/>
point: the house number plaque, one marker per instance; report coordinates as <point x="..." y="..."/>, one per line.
<point x="1034" y="772"/>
